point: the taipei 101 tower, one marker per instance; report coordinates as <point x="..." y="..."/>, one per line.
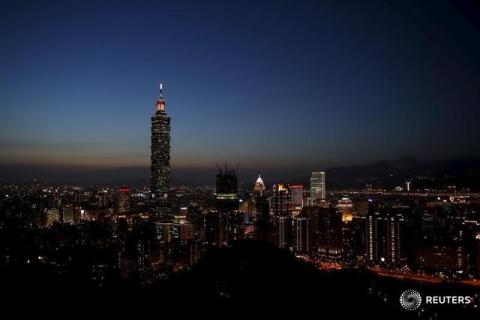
<point x="160" y="161"/>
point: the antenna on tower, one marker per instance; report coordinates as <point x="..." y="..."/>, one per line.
<point x="161" y="89"/>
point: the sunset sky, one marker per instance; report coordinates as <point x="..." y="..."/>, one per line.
<point x="266" y="84"/>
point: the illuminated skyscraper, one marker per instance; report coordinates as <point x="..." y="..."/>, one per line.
<point x="102" y="197"/>
<point x="227" y="190"/>
<point x="231" y="225"/>
<point x="283" y="231"/>
<point x="317" y="187"/>
<point x="259" y="188"/>
<point x="301" y="239"/>
<point x="329" y="233"/>
<point x="76" y="196"/>
<point x="281" y="207"/>
<point x="262" y="210"/>
<point x="68" y="214"/>
<point x="160" y="160"/>
<point x="213" y="229"/>
<point x="281" y="202"/>
<point x="123" y="200"/>
<point x="385" y="237"/>
<point x="297" y="198"/>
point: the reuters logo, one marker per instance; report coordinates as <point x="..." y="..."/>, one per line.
<point x="410" y="300"/>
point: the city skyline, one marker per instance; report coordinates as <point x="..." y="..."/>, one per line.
<point x="78" y="107"/>
<point x="312" y="156"/>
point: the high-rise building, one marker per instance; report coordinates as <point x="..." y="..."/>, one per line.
<point x="301" y="241"/>
<point x="160" y="160"/>
<point x="297" y="198"/>
<point x="385" y="237"/>
<point x="330" y="230"/>
<point x="283" y="232"/>
<point x="281" y="202"/>
<point x="213" y="229"/>
<point x="174" y="232"/>
<point x="261" y="210"/>
<point x="317" y="187"/>
<point x="102" y="197"/>
<point x="281" y="206"/>
<point x="236" y="226"/>
<point x="76" y="196"/>
<point x="259" y="187"/>
<point x="260" y="200"/>
<point x="354" y="239"/>
<point x="227" y="190"/>
<point x="231" y="223"/>
<point x="68" y="214"/>
<point x="123" y="200"/>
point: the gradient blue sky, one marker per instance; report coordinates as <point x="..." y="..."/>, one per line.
<point x="261" y="83"/>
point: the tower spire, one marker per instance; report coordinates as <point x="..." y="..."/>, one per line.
<point x="161" y="100"/>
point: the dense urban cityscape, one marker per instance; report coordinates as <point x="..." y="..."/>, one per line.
<point x="145" y="234"/>
<point x="432" y="235"/>
<point x="306" y="157"/>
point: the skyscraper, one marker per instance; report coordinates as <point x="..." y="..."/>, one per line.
<point x="227" y="190"/>
<point x="227" y="205"/>
<point x="297" y="198"/>
<point x="283" y="232"/>
<point x="301" y="241"/>
<point x="317" y="187"/>
<point x="281" y="202"/>
<point x="281" y="207"/>
<point x="123" y="200"/>
<point x="330" y="228"/>
<point x="262" y="210"/>
<point x="259" y="187"/>
<point x="385" y="237"/>
<point x="160" y="160"/>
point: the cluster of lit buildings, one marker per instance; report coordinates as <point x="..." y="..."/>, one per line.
<point x="160" y="229"/>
